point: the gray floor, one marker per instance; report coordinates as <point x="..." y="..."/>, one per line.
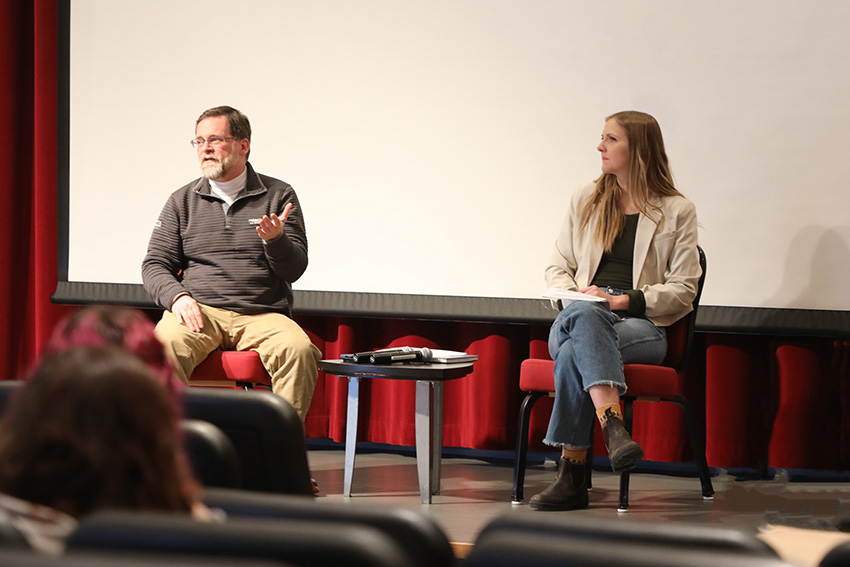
<point x="473" y="492"/>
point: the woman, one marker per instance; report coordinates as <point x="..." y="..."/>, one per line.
<point x="92" y="428"/>
<point x="629" y="238"/>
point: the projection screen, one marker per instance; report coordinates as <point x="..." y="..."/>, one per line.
<point x="434" y="145"/>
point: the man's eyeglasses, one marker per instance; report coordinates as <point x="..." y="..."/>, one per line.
<point x="212" y="140"/>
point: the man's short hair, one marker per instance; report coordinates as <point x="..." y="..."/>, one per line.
<point x="237" y="122"/>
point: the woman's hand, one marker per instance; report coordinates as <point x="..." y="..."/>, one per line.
<point x="616" y="302"/>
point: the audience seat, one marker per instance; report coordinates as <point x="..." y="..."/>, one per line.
<point x="536" y="540"/>
<point x="606" y="532"/>
<point x="211" y="454"/>
<point x="529" y="550"/>
<point x="265" y="431"/>
<point x="300" y="542"/>
<point x="663" y="383"/>
<point x="241" y="368"/>
<point x="423" y="539"/>
<point x="26" y="558"/>
<point x="838" y="556"/>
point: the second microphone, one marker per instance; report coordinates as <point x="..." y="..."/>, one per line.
<point x="414" y="355"/>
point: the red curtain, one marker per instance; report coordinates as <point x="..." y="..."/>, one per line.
<point x="28" y="249"/>
<point x="480" y="410"/>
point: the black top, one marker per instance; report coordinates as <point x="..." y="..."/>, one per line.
<point x="616" y="267"/>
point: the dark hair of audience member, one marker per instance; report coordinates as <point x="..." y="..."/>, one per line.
<point x="104" y="325"/>
<point x="92" y="429"/>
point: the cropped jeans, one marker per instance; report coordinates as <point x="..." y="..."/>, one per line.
<point x="589" y="345"/>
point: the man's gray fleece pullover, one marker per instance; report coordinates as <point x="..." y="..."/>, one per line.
<point x="218" y="257"/>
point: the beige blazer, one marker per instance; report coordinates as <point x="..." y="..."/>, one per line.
<point x="666" y="261"/>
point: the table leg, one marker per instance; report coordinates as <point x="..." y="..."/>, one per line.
<point x="429" y="437"/>
<point x="351" y="433"/>
<point x="436" y="436"/>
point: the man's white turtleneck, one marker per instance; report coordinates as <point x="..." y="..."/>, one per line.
<point x="228" y="190"/>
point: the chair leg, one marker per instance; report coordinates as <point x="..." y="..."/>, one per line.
<point x="628" y="415"/>
<point x="588" y="471"/>
<point x="248" y="385"/>
<point x="697" y="446"/>
<point x="522" y="444"/>
<point x="623" y="505"/>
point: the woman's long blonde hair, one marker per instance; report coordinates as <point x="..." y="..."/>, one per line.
<point x="649" y="175"/>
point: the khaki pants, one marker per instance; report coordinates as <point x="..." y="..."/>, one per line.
<point x="286" y="351"/>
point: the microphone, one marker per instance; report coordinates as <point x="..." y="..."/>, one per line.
<point x="367" y="355"/>
<point x="408" y="355"/>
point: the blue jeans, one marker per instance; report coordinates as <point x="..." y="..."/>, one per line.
<point x="589" y="345"/>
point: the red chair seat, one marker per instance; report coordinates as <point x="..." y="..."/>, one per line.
<point x="643" y="380"/>
<point x="655" y="382"/>
<point x="242" y="367"/>
<point x="536" y="375"/>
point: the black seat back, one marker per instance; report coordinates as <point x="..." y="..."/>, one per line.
<point x="536" y="550"/>
<point x="419" y="534"/>
<point x="266" y="432"/>
<point x="300" y="542"/>
<point x="605" y="533"/>
<point x="19" y="558"/>
<point x="211" y="454"/>
<point x="838" y="556"/>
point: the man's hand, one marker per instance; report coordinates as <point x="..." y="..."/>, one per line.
<point x="188" y="313"/>
<point x="271" y="227"/>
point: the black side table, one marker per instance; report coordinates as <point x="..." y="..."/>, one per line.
<point x="429" y="412"/>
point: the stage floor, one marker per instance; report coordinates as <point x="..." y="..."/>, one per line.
<point x="797" y="519"/>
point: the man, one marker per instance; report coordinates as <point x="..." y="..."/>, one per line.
<point x="222" y="256"/>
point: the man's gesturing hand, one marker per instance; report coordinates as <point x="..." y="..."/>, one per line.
<point x="188" y="313"/>
<point x="271" y="227"/>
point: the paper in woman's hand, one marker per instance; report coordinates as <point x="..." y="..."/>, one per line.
<point x="563" y="297"/>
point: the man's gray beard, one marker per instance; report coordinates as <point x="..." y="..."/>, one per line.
<point x="212" y="171"/>
<point x="217" y="169"/>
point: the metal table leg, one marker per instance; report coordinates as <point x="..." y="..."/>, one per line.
<point x="429" y="437"/>
<point x="351" y="433"/>
<point x="436" y="436"/>
<point x="423" y="439"/>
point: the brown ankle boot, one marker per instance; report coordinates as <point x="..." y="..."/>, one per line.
<point x="622" y="451"/>
<point x="568" y="492"/>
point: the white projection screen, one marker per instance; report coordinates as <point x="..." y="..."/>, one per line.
<point x="434" y="145"/>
